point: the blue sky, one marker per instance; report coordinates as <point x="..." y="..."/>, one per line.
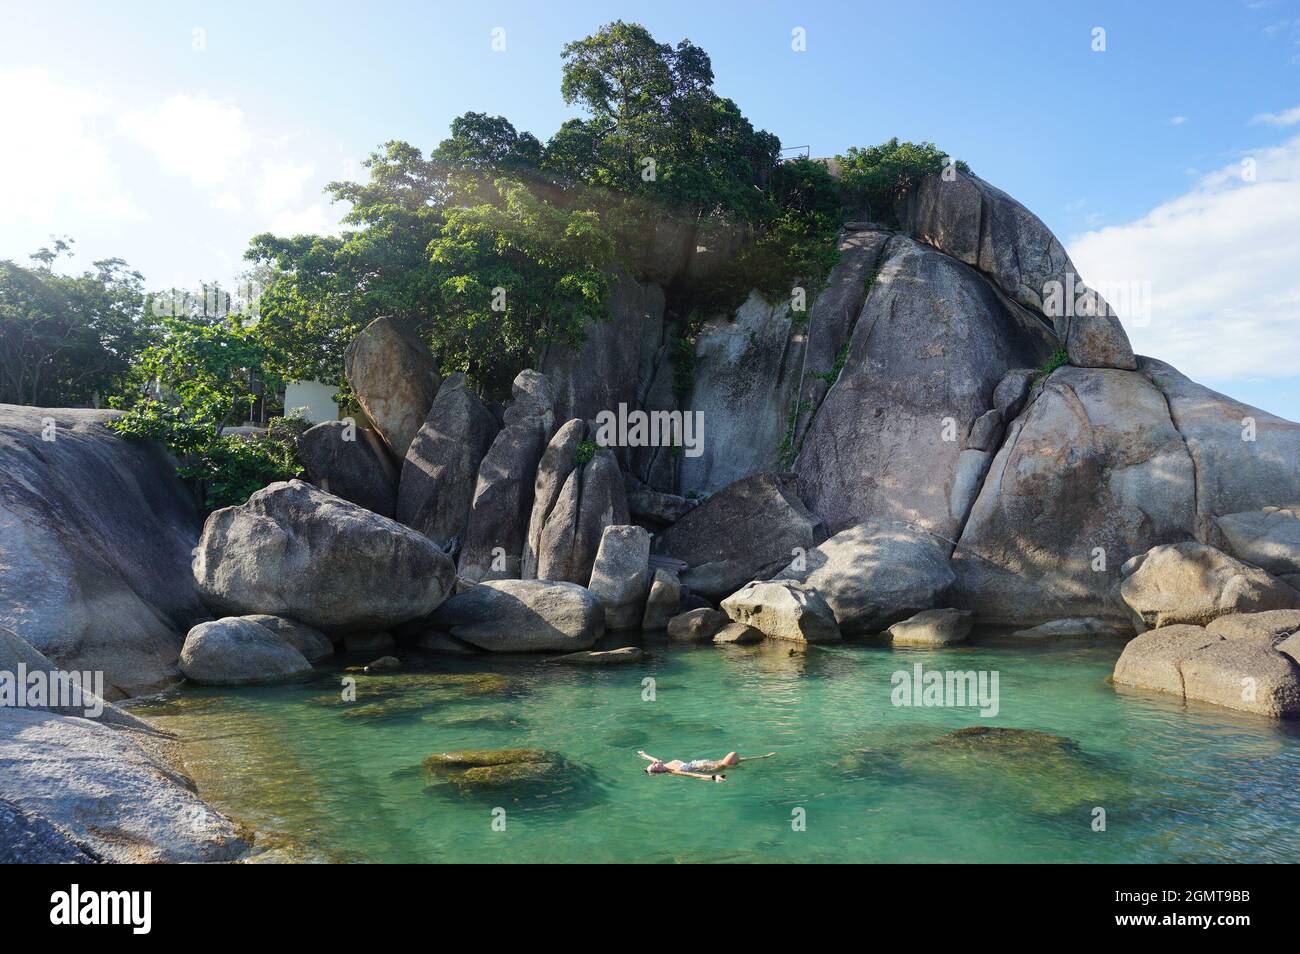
<point x="169" y="133"/>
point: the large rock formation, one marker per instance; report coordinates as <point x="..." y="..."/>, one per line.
<point x="95" y="540"/>
<point x="524" y="616"/>
<point x="620" y="576"/>
<point x="441" y="467"/>
<point x="1268" y="538"/>
<point x="393" y="376"/>
<point x="295" y="551"/>
<point x="1092" y="473"/>
<point x="350" y="462"/>
<point x="875" y="574"/>
<point x="783" y="610"/>
<point x="746" y="531"/>
<point x="503" y="491"/>
<point x="984" y="227"/>
<point x="932" y="343"/>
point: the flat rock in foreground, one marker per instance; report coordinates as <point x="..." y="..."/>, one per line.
<point x="936" y="627"/>
<point x="295" y="551"/>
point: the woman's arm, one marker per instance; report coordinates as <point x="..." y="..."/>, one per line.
<point x="648" y="758"/>
<point x="707" y="778"/>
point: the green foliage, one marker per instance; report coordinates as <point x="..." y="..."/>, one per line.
<point x="683" y="357"/>
<point x="66" y="339"/>
<point x="584" y="452"/>
<point x="786" y="452"/>
<point x="875" y="178"/>
<point x="1058" y="359"/>
<point x="833" y="375"/>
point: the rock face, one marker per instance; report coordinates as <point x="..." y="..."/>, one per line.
<point x="614" y="360"/>
<point x="27" y="839"/>
<point x="932" y="343"/>
<point x="1246" y="459"/>
<point x="441" y="467"/>
<point x="783" y="610"/>
<point x="101" y="786"/>
<point x="1086" y="626"/>
<point x="503" y="491"/>
<point x="1193" y="583"/>
<point x="697" y="625"/>
<point x="875" y="574"/>
<point x="1091" y="473"/>
<point x="1268" y="538"/>
<point x="936" y="627"/>
<point x="1266" y="627"/>
<point x="350" y="462"/>
<point x="394" y="378"/>
<point x="524" y="616"/>
<point x="95" y="540"/>
<point x="297" y="552"/>
<point x="1193" y="664"/>
<point x="737" y="634"/>
<point x="590" y="499"/>
<point x="746" y="531"/>
<point x="747" y="361"/>
<point x="984" y="227"/>
<point x="620" y="577"/>
<point x="663" y="601"/>
<point x="238" y="652"/>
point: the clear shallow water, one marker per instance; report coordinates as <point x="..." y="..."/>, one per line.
<point x="321" y="780"/>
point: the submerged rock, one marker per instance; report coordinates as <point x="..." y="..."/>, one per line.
<point x="1070" y="628"/>
<point x="697" y="625"/>
<point x="479" y="769"/>
<point x="606" y="657"/>
<point x="523" y="616"/>
<point x="295" y="551"/>
<point x="237" y="651"/>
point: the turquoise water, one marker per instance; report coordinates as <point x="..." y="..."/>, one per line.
<point x="321" y="779"/>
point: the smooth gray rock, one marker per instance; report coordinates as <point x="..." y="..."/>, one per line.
<point x="1266" y="627"/>
<point x="664" y="600"/>
<point x="557" y="462"/>
<point x="986" y="228"/>
<point x="1073" y="628"/>
<point x="1153" y="660"/>
<point x="523" y="616"/>
<point x="967" y="479"/>
<point x="936" y="627"/>
<point x="297" y="552"/>
<point x="933" y="341"/>
<point x="875" y="574"/>
<point x="986" y="432"/>
<point x="591" y="499"/>
<point x="738" y="634"/>
<point x="624" y="656"/>
<point x="1244" y="675"/>
<point x="238" y="652"/>
<point x="653" y="506"/>
<point x="697" y="625"/>
<point x="1233" y="474"/>
<point x="746" y="531"/>
<point x="384" y="664"/>
<point x="1268" y="538"/>
<point x="1012" y="392"/>
<point x="1091" y="473"/>
<point x="620" y="576"/>
<point x="312" y="643"/>
<point x="350" y="462"/>
<point x="783" y="610"/>
<point x="95" y="540"/>
<point x="441" y="467"/>
<point x="1193" y="583"/>
<point x="103" y="788"/>
<point x="436" y="641"/>
<point x="394" y="378"/>
<point x="503" y="492"/>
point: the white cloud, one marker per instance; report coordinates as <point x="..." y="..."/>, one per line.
<point x="201" y="140"/>
<point x="280" y="184"/>
<point x="1287" y="117"/>
<point x="316" y="219"/>
<point x="1223" y="263"/>
<point x="55" y="162"/>
<point x="1177" y="120"/>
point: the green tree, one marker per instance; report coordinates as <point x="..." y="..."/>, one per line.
<point x="875" y="178"/>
